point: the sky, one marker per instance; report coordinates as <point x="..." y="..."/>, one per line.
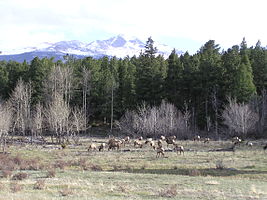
<point x="182" y="24"/>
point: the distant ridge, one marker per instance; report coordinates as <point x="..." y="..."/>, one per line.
<point x="119" y="46"/>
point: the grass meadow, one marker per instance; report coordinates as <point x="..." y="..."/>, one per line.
<point x="50" y="172"/>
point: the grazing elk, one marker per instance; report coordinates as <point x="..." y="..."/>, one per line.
<point x="151" y="143"/>
<point x="170" y="140"/>
<point x="162" y="137"/>
<point x="127" y="139"/>
<point x="160" y="143"/>
<point x="138" y="143"/>
<point x="206" y="140"/>
<point x="114" y="144"/>
<point x="92" y="147"/>
<point x="102" y="147"/>
<point x="249" y="144"/>
<point x="178" y="148"/>
<point x="160" y="151"/>
<point x="197" y="138"/>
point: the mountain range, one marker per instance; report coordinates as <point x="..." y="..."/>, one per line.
<point x="119" y="46"/>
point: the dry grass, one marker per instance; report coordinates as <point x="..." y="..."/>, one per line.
<point x="135" y="174"/>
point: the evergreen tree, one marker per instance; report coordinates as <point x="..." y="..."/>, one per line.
<point x="3" y="80"/>
<point x="174" y="80"/>
<point x="151" y="72"/>
<point x="210" y="79"/>
<point x="38" y="72"/>
<point x="245" y="87"/>
<point x="126" y="86"/>
<point x="258" y="59"/>
<point x="230" y="62"/>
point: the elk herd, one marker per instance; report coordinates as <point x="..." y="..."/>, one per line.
<point x="156" y="145"/>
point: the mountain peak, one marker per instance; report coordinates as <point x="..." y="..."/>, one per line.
<point x="119" y="46"/>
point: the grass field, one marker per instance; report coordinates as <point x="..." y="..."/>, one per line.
<point x="35" y="172"/>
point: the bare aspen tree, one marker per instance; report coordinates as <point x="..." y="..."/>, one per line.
<point x="21" y="107"/>
<point x="186" y="117"/>
<point x="86" y="90"/>
<point x="162" y="120"/>
<point x="57" y="115"/>
<point x="78" y="121"/>
<point x="259" y="105"/>
<point x="5" y="123"/>
<point x="38" y="120"/>
<point x="128" y="123"/>
<point x="239" y="117"/>
<point x="208" y="122"/>
<point x="215" y="105"/>
<point x="60" y="82"/>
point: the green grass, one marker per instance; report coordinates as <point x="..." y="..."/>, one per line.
<point x="138" y="174"/>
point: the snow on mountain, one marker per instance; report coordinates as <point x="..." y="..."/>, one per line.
<point x="25" y="49"/>
<point x="119" y="46"/>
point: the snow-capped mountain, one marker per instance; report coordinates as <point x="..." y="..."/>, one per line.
<point x="119" y="46"/>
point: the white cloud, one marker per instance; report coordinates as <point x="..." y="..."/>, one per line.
<point x="227" y="21"/>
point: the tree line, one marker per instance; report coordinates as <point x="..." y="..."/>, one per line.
<point x="196" y="87"/>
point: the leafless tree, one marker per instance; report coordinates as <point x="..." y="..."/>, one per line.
<point x="60" y="82"/>
<point x="38" y="120"/>
<point x="239" y="117"/>
<point x="215" y="105"/>
<point x="162" y="120"/>
<point x="21" y="107"/>
<point x="78" y="121"/>
<point x="259" y="104"/>
<point x="86" y="89"/>
<point x="5" y="123"/>
<point x="57" y="115"/>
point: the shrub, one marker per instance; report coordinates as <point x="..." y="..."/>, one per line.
<point x="17" y="160"/>
<point x="15" y="187"/>
<point x="194" y="172"/>
<point x="61" y="164"/>
<point x="143" y="167"/>
<point x="219" y="164"/>
<point x="115" y="168"/>
<point x="169" y="192"/>
<point x="20" y="176"/>
<point x="51" y="173"/>
<point x="96" y="168"/>
<point x="2" y="187"/>
<point x="82" y="163"/>
<point x="6" y="173"/>
<point x="39" y="185"/>
<point x="66" y="192"/>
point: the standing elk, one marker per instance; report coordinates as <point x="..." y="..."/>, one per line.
<point x="178" y="148"/>
<point x="160" y="151"/>
<point x="196" y="138"/>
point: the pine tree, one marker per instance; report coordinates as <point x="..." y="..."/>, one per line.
<point x="245" y="87"/>
<point x="258" y="59"/>
<point x="174" y="80"/>
<point x="151" y="72"/>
